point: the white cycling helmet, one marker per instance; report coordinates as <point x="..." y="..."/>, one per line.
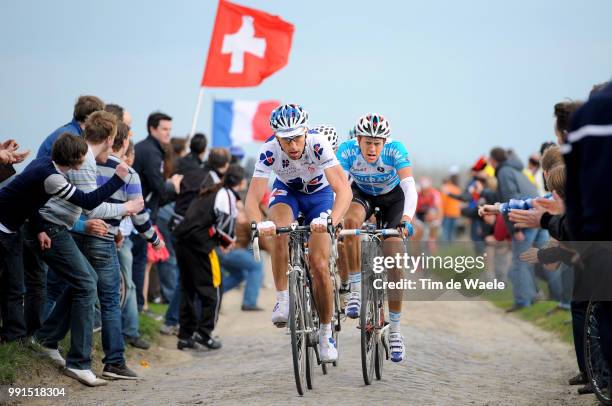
<point x="329" y="132"/>
<point x="289" y="120"/>
<point x="372" y="125"/>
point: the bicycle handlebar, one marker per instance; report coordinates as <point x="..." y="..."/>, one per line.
<point x="360" y="231"/>
<point x="293" y="227"/>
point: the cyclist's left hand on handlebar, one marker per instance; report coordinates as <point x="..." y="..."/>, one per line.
<point x="407" y="228"/>
<point x="318" y="225"/>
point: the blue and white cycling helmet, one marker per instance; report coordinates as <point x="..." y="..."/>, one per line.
<point x="373" y="125"/>
<point x="329" y="132"/>
<point x="289" y="120"/>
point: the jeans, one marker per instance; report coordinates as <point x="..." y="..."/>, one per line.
<point x="11" y="286"/>
<point x="55" y="288"/>
<point x="172" y="314"/>
<point x="129" y="313"/>
<point x="521" y="273"/>
<point x="74" y="308"/>
<point x="448" y="228"/>
<point x="552" y="278"/>
<point x="476" y="235"/>
<point x="240" y="265"/>
<point x="102" y="255"/>
<point x="167" y="271"/>
<point x="567" y="281"/>
<point x="139" y="265"/>
<point x="35" y="282"/>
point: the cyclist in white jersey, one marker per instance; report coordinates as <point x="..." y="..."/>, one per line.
<point x="381" y="172"/>
<point x="307" y="175"/>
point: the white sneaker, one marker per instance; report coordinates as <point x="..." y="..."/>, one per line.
<point x="327" y="350"/>
<point x="85" y="376"/>
<point x="55" y="355"/>
<point x="353" y="306"/>
<point x="396" y="347"/>
<point x="280" y="313"/>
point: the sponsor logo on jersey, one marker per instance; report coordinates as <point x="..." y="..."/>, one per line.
<point x="318" y="150"/>
<point x="267" y="158"/>
<point x="285" y="163"/>
<point x="314" y="184"/>
<point x="380" y="169"/>
<point x="374" y="178"/>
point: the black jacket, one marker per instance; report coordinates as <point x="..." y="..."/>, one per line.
<point x="588" y="159"/>
<point x="189" y="163"/>
<point x="149" y="165"/>
<point x="209" y="221"/>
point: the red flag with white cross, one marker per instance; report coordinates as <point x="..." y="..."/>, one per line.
<point x="246" y="47"/>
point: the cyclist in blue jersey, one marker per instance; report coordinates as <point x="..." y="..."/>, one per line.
<point x="382" y="177"/>
<point x="307" y="176"/>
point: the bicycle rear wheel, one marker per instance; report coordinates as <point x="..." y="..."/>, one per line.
<point x="598" y="371"/>
<point x="367" y="320"/>
<point x="296" y="329"/>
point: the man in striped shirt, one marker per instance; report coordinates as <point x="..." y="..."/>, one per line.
<point x="141" y="223"/>
<point x="59" y="251"/>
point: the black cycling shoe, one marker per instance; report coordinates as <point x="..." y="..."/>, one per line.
<point x="207" y="342"/>
<point x="579" y="379"/>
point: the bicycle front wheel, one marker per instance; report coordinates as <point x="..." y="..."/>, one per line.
<point x="296" y="329"/>
<point x="367" y="321"/>
<point x="598" y="370"/>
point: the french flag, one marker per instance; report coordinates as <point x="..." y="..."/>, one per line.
<point x="237" y="122"/>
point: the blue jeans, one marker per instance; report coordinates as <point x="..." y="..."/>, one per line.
<point x="55" y="288"/>
<point x="12" y="286"/>
<point x="74" y="308"/>
<point x="172" y="314"/>
<point x="129" y="313"/>
<point x="240" y="265"/>
<point x="448" y="228"/>
<point x="139" y="265"/>
<point x="102" y="255"/>
<point x="521" y="273"/>
<point x="552" y="278"/>
<point x="167" y="271"/>
<point x="567" y="281"/>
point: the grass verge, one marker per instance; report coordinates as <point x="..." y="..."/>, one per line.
<point x="22" y="363"/>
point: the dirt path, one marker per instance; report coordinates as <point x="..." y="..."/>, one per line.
<point x="457" y="353"/>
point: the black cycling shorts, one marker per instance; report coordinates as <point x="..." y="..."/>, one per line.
<point x="391" y="205"/>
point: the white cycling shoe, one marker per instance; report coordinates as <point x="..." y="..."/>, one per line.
<point x="353" y="306"/>
<point x="280" y="313"/>
<point x="327" y="350"/>
<point x="396" y="347"/>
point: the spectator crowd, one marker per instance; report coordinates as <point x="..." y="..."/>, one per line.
<point x="96" y="227"/>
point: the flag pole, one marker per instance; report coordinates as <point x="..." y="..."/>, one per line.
<point x="196" y="113"/>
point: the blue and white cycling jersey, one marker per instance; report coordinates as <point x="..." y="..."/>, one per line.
<point x="377" y="178"/>
<point x="305" y="175"/>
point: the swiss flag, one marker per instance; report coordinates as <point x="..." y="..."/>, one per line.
<point x="247" y="46"/>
